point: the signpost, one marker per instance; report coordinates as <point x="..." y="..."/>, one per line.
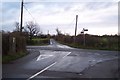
<point x="84" y="34"/>
<point x="14" y="45"/>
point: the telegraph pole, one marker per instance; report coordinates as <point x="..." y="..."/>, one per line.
<point x="21" y="22"/>
<point x="76" y="28"/>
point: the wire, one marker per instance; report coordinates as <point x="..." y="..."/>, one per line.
<point x="30" y="14"/>
<point x="72" y="22"/>
<point x="32" y="17"/>
<point x="69" y="25"/>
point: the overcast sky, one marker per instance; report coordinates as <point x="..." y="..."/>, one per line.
<point x="98" y="17"/>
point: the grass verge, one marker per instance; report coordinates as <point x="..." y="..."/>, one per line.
<point x="38" y="42"/>
<point x="9" y="58"/>
<point x="86" y="47"/>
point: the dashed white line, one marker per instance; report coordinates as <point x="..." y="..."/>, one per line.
<point x="46" y="68"/>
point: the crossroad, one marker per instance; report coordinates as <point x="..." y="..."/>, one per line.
<point x="60" y="61"/>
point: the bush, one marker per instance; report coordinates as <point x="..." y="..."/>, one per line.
<point x="107" y="42"/>
<point x="8" y="47"/>
<point x="5" y="43"/>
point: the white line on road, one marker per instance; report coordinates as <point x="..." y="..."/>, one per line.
<point x="67" y="55"/>
<point x="44" y="56"/>
<point x="41" y="71"/>
<point x="45" y="68"/>
<point x="63" y="46"/>
<point x="40" y="57"/>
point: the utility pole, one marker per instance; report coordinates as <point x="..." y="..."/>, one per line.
<point x="21" y="22"/>
<point x="76" y="28"/>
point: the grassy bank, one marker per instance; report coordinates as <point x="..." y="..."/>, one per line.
<point x="104" y="42"/>
<point x="38" y="41"/>
<point x="87" y="47"/>
<point x="9" y="58"/>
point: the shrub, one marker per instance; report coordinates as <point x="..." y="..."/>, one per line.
<point x="10" y="47"/>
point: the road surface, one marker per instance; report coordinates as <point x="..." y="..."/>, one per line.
<point x="60" y="61"/>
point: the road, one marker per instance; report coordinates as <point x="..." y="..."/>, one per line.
<point x="61" y="61"/>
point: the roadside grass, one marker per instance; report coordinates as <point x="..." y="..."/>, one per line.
<point x="12" y="57"/>
<point x="87" y="47"/>
<point x="41" y="44"/>
<point x="38" y="42"/>
<point x="40" y="39"/>
<point x="93" y="48"/>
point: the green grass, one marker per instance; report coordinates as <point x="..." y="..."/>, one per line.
<point x="44" y="44"/>
<point x="93" y="48"/>
<point x="38" y="41"/>
<point x="9" y="58"/>
<point x="86" y="47"/>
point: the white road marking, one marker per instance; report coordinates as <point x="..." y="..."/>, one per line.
<point x="41" y="71"/>
<point x="66" y="54"/>
<point x="50" y="42"/>
<point x="40" y="57"/>
<point x="46" y="68"/>
<point x="43" y="57"/>
<point x="63" y="46"/>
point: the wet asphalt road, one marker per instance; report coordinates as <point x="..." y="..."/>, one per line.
<point x="60" y="61"/>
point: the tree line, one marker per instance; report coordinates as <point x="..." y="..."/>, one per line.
<point x="32" y="35"/>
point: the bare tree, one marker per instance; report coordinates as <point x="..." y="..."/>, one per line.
<point x="58" y="31"/>
<point x="17" y="25"/>
<point x="32" y="29"/>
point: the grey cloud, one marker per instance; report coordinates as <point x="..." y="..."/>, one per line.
<point x="98" y="5"/>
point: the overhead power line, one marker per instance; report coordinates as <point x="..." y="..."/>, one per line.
<point x="31" y="16"/>
<point x="69" y="25"/>
<point x="30" y="13"/>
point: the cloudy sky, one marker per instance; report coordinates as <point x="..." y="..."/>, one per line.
<point x="98" y="17"/>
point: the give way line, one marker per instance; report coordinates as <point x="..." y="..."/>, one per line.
<point x="40" y="57"/>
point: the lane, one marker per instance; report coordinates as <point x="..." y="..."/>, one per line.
<point x="74" y="64"/>
<point x="46" y="68"/>
<point x="78" y="63"/>
<point x="107" y="69"/>
<point x="25" y="70"/>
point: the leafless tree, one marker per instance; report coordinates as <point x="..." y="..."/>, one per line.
<point x="33" y="29"/>
<point x="17" y="25"/>
<point x="58" y="31"/>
